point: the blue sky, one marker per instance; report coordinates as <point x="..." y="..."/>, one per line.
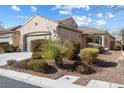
<point x="104" y="17"/>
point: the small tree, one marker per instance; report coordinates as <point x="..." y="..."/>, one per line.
<point x="55" y="50"/>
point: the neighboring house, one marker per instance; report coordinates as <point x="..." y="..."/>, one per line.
<point x="41" y="27"/>
<point x="97" y="36"/>
<point x="10" y="35"/>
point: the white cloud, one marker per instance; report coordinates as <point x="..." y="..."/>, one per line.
<point x="33" y="8"/>
<point x="69" y="8"/>
<point x="100" y="22"/>
<point x="82" y="20"/>
<point x="15" y="8"/>
<point x="22" y="17"/>
<point x="118" y="6"/>
<point x="65" y="12"/>
<point x="110" y="15"/>
<point x="100" y="15"/>
<point x="89" y="14"/>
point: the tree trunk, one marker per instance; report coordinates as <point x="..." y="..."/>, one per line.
<point x="59" y="61"/>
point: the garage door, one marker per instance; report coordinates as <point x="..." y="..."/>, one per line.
<point x="30" y="38"/>
<point x="6" y="39"/>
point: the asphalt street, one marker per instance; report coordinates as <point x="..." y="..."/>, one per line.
<point x="9" y="83"/>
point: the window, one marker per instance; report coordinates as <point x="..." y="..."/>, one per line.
<point x="98" y="40"/>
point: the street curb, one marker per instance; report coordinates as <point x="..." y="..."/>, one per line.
<point x="36" y="80"/>
<point x="25" y="78"/>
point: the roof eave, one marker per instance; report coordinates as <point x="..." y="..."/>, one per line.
<point x="75" y="30"/>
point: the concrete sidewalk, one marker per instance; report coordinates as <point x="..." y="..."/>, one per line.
<point x="63" y="82"/>
<point x="102" y="84"/>
<point x="14" y="56"/>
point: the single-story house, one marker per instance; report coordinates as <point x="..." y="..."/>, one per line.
<point x="97" y="36"/>
<point x="10" y="35"/>
<point x="41" y="27"/>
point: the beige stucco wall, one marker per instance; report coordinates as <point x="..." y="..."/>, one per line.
<point x="70" y="22"/>
<point x="43" y="24"/>
<point x="67" y="34"/>
<point x="108" y="41"/>
<point x="15" y="38"/>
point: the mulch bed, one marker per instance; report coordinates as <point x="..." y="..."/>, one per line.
<point x="107" y="69"/>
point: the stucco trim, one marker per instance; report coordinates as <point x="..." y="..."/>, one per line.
<point x="31" y="18"/>
<point x="4" y="37"/>
<point x="9" y="32"/>
<point x="38" y="33"/>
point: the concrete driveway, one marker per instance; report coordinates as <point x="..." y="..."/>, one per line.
<point x="13" y="56"/>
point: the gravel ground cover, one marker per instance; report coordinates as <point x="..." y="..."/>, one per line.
<point x="108" y="68"/>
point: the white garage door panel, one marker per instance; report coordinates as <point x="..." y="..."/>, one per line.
<point x="6" y="40"/>
<point x="30" y="38"/>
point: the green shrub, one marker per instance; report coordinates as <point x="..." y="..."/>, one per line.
<point x="38" y="65"/>
<point x="11" y="62"/>
<point x="73" y="49"/>
<point x="89" y="55"/>
<point x="82" y="68"/>
<point x="101" y="49"/>
<point x="76" y="46"/>
<point x="70" y="54"/>
<point x="37" y="45"/>
<point x="1" y="50"/>
<point x="10" y="48"/>
<point x="22" y="64"/>
<point x="51" y="50"/>
<point x="17" y="49"/>
<point x="36" y="55"/>
<point x="63" y="50"/>
<point x="7" y="47"/>
<point x="4" y="43"/>
<point x="118" y="46"/>
<point x="54" y="50"/>
<point x="95" y="45"/>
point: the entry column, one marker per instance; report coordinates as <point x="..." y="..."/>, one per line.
<point x="103" y="40"/>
